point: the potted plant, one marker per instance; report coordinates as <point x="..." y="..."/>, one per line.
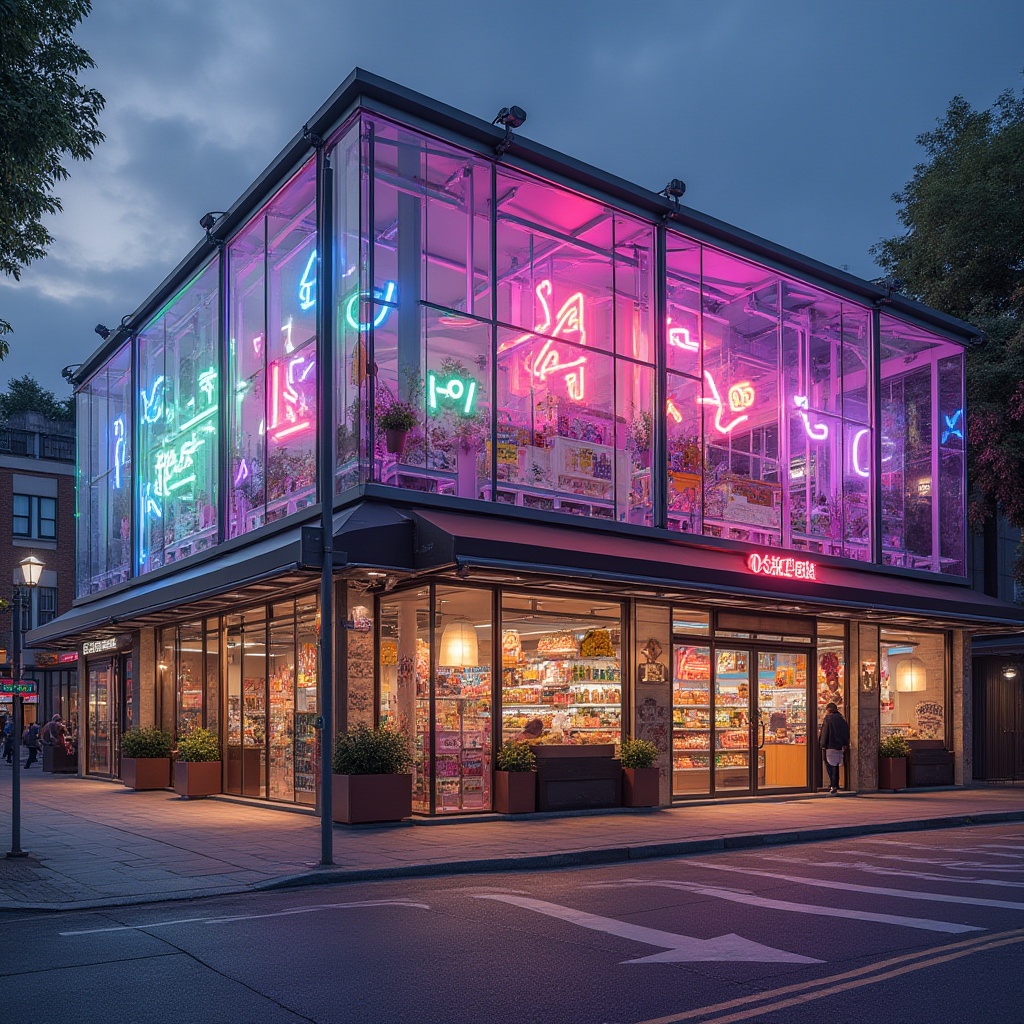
<point x="640" y="437"/>
<point x="515" y="778"/>
<point x="893" y="752"/>
<point x="641" y="782"/>
<point x="146" y="759"/>
<point x="372" y="780"/>
<point x="197" y="768"/>
<point x="396" y="419"/>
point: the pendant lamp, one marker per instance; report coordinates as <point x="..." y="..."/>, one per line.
<point x="459" y="645"/>
<point x="911" y="676"/>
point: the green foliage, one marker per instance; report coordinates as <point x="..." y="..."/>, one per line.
<point x="25" y="394"/>
<point x="638" y="754"/>
<point x="516" y="756"/>
<point x="44" y="113"/>
<point x="146" y="743"/>
<point x="397" y="415"/>
<point x="893" y="746"/>
<point x="366" y="751"/>
<point x="199" y="745"/>
<point x="963" y="252"/>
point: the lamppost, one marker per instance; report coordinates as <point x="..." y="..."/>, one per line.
<point x="31" y="571"/>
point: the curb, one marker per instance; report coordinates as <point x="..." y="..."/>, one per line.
<point x="533" y="862"/>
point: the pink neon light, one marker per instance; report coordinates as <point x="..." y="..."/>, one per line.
<point x="288" y="405"/>
<point x="569" y="320"/>
<point x="819" y="432"/>
<point x="673" y="410"/>
<point x="857" y="439"/>
<point x="679" y="337"/>
<point x="782" y="568"/>
<point x="741" y="396"/>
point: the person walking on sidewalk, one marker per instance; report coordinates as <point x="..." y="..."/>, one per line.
<point x="30" y="739"/>
<point x="9" y="740"/>
<point x="833" y="738"/>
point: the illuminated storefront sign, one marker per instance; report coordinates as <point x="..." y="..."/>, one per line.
<point x="120" y="450"/>
<point x="781" y="567"/>
<point x="454" y="391"/>
<point x="817" y="432"/>
<point x="679" y="337"/>
<point x="290" y="409"/>
<point x="307" y="284"/>
<point x="110" y="643"/>
<point x="385" y="294"/>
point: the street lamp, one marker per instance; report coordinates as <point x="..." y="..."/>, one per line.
<point x="31" y="571"/>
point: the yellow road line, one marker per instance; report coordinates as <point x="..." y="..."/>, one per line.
<point x="808" y="991"/>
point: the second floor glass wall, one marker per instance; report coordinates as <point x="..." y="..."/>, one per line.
<point x="498" y="338"/>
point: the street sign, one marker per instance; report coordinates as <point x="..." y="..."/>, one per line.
<point x="24" y="686"/>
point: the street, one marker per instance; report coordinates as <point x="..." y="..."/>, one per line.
<point x="919" y="927"/>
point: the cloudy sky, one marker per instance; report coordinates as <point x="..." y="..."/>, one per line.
<point x="793" y="119"/>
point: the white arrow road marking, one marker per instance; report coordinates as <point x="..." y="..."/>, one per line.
<point x="750" y="900"/>
<point x="874" y="890"/>
<point x="874" y="869"/>
<point x="249" y="917"/>
<point x="678" y="948"/>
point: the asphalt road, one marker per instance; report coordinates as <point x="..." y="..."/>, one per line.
<point x="921" y="927"/>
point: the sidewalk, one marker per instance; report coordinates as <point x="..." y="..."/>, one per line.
<point x="95" y="843"/>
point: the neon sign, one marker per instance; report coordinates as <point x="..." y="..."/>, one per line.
<point x="120" y="450"/>
<point x="290" y="410"/>
<point x="454" y="390"/>
<point x="951" y="429"/>
<point x="741" y="396"/>
<point x="153" y="402"/>
<point x="780" y="567"/>
<point x="819" y="432"/>
<point x="858" y="464"/>
<point x="307" y="284"/>
<point x="387" y="294"/>
<point x="679" y="337"/>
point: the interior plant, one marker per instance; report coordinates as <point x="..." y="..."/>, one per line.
<point x="146" y="759"/>
<point x="893" y="752"/>
<point x="515" y="782"/>
<point x="197" y="768"/>
<point x="641" y="434"/>
<point x="396" y="417"/>
<point x="641" y="779"/>
<point x="372" y="775"/>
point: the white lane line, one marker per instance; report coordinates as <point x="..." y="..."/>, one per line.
<point x="750" y="900"/>
<point x="678" y="948"/>
<point x="1002" y="846"/>
<point x="953" y="865"/>
<point x="874" y="869"/>
<point x="873" y="890"/>
<point x="942" y="849"/>
<point x="247" y="917"/>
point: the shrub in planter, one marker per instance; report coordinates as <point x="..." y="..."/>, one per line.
<point x="515" y="779"/>
<point x="641" y="780"/>
<point x="893" y="752"/>
<point x="372" y="779"/>
<point x="146" y="759"/>
<point x="396" y="420"/>
<point x="197" y="770"/>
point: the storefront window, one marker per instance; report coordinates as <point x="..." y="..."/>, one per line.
<point x="179" y="444"/>
<point x="247" y="703"/>
<point x="272" y="359"/>
<point x="691" y="702"/>
<point x="105" y="467"/>
<point x="189" y="678"/>
<point x="831" y="666"/>
<point x="912" y="681"/>
<point x="462" y="700"/>
<point x="652" y="686"/>
<point x="561" y="677"/>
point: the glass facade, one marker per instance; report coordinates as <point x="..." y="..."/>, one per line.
<point x="504" y="338"/>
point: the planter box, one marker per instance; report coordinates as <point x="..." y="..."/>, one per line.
<point x="641" y="787"/>
<point x="146" y="772"/>
<point x="361" y="799"/>
<point x="56" y="759"/>
<point x="515" y="792"/>
<point x="197" y="778"/>
<point x="892" y="773"/>
<point x="573" y="777"/>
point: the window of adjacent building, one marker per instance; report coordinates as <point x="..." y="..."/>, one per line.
<point x="35" y="517"/>
<point x="912" y="685"/>
<point x="46" y="605"/>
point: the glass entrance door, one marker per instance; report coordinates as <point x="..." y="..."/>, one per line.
<point x="99" y="733"/>
<point x="781" y="734"/>
<point x="734" y="738"/>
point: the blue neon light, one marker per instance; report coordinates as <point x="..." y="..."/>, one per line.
<point x="307" y="284"/>
<point x="387" y="294"/>
<point x="951" y="428"/>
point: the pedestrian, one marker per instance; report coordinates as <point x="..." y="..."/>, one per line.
<point x="833" y="738"/>
<point x="30" y="739"/>
<point x="54" y="732"/>
<point x="8" y="740"/>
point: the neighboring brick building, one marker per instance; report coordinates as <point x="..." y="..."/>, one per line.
<point x="37" y="517"/>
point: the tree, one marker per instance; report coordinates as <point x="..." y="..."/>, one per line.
<point x="25" y="394"/>
<point x="963" y="253"/>
<point x="44" y="113"/>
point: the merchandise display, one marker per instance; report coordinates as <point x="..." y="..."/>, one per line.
<point x="691" y="720"/>
<point x="577" y="699"/>
<point x="462" y="739"/>
<point x="732" y="721"/>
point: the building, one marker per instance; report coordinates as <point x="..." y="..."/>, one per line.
<point x="602" y="467"/>
<point x="37" y="499"/>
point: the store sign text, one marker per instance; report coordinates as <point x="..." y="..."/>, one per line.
<point x="96" y="646"/>
<point x="781" y="567"/>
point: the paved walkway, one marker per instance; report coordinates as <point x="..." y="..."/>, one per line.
<point x="95" y="843"/>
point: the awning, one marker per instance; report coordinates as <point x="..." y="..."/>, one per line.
<point x="449" y="539"/>
<point x="239" y="572"/>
